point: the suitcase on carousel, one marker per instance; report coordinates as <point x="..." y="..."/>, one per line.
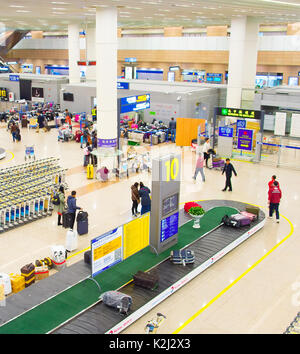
<point x="182" y="257"/>
<point x="28" y="272"/>
<point x="236" y="220"/>
<point x="147" y="280"/>
<point x="117" y="300"/>
<point x="88" y="257"/>
<point x="253" y="210"/>
<point x="251" y="216"/>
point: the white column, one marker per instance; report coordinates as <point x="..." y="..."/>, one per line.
<point x="74" y="53"/>
<point x="91" y="52"/>
<point x="106" y="69"/>
<point x="242" y="62"/>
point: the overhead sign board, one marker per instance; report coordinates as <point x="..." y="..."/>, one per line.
<point x="238" y="113"/>
<point x="245" y="139"/>
<point x="130" y="60"/>
<point x="227" y="132"/>
<point x="13" y="77"/>
<point x="135" y="103"/>
<point x="123" y="85"/>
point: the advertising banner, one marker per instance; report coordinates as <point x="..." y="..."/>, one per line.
<point x="37" y="94"/>
<point x="106" y="250"/>
<point x="135" y="103"/>
<point x="245" y="139"/>
<point x="107" y="142"/>
<point x="136" y="235"/>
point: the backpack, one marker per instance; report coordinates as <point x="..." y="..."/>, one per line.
<point x="55" y="199"/>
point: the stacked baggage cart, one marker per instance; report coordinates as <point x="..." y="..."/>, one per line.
<point x="26" y="191"/>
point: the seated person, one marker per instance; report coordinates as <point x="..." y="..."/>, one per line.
<point x="103" y="172"/>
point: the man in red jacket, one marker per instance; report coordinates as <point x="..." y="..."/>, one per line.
<point x="271" y="183"/>
<point x="274" y="198"/>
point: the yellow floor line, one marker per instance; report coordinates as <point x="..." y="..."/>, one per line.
<point x="237" y="279"/>
<point x="12" y="157"/>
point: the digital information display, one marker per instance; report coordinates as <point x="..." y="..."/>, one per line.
<point x="169" y="227"/>
<point x="170" y="204"/>
<point x="238" y="113"/>
<point x="245" y="139"/>
<point x="106" y="250"/>
<point x="135" y="103"/>
<point x="226" y="132"/>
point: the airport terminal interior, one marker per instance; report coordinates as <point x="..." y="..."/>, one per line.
<point x="96" y="96"/>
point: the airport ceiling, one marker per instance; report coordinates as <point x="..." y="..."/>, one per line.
<point x="50" y="15"/>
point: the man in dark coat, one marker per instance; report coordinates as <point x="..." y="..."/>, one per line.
<point x="228" y="169"/>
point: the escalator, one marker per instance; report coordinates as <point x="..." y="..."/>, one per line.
<point x="8" y="40"/>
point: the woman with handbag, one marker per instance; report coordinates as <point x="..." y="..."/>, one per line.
<point x="135" y="198"/>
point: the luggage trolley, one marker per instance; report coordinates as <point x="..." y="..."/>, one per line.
<point x="29" y="152"/>
<point x="152" y="325"/>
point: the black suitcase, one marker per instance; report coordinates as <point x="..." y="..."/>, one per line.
<point x="87" y="257"/>
<point x="182" y="257"/>
<point x="66" y="220"/>
<point x="147" y="280"/>
<point x="82" y="223"/>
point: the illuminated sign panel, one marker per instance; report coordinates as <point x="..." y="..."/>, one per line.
<point x="238" y="113"/>
<point x="135" y="103"/>
<point x="245" y="139"/>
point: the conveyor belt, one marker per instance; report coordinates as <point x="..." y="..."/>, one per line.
<point x="101" y="319"/>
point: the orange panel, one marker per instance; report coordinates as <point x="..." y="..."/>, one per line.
<point x="187" y="129"/>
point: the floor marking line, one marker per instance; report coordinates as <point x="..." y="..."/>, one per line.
<point x="12" y="157"/>
<point x="237" y="279"/>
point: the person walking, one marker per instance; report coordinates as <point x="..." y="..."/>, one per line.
<point x="87" y="154"/>
<point x="41" y="120"/>
<point x="275" y="195"/>
<point x="144" y="193"/>
<point x="199" y="167"/>
<point x="72" y="207"/>
<point x="135" y="197"/>
<point x="172" y="127"/>
<point x="205" y="149"/>
<point x="61" y="205"/>
<point x="228" y="169"/>
<point x="13" y="130"/>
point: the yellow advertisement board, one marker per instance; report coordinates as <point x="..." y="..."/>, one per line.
<point x="136" y="235"/>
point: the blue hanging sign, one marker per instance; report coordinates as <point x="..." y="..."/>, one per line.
<point x="227" y="132"/>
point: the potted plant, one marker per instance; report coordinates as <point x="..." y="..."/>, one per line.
<point x="196" y="213"/>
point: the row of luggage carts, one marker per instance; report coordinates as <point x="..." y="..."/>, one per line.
<point x="26" y="191"/>
<point x="135" y="164"/>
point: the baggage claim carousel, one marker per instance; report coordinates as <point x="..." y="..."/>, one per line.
<point x="68" y="301"/>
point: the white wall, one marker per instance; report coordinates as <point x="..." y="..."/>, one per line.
<point x="266" y="43"/>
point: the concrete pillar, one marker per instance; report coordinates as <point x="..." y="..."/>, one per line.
<point x="106" y="76"/>
<point x="91" y="52"/>
<point x="242" y="62"/>
<point x="74" y="53"/>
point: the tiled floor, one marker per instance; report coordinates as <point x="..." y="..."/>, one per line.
<point x="264" y="300"/>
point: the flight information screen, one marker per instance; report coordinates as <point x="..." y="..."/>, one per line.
<point x="170" y="204"/>
<point x="169" y="227"/>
